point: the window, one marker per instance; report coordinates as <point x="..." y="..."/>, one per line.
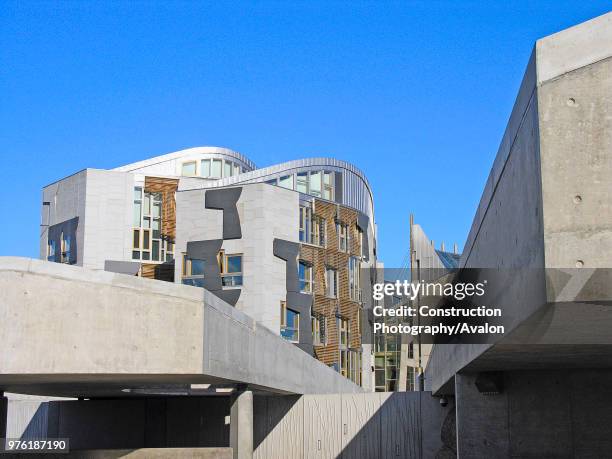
<point x="230" y="267"/>
<point x="236" y="169"/>
<point x="343" y="237"/>
<point x="192" y="272"/>
<point x="148" y="243"/>
<point x="354" y="279"/>
<point x="343" y="332"/>
<point x="227" y="169"/>
<point x="315" y="184"/>
<point x="328" y="186"/>
<point x="331" y="283"/>
<point x="188" y="168"/>
<point x="51" y="251"/>
<point x="205" y="168"/>
<point x="289" y="323"/>
<point x="411" y="379"/>
<point x="312" y="227"/>
<point x="65" y="253"/>
<point x="318" y="329"/>
<point x="286" y="182"/>
<point x="361" y="247"/>
<point x="302" y="182"/>
<point x="350" y="365"/>
<point x="305" y="277"/>
<point x="215" y="171"/>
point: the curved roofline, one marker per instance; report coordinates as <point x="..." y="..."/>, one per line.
<point x="177" y="154"/>
<point x="294" y="164"/>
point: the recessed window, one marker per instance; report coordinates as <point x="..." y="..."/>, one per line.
<point x="148" y="242"/>
<point x="228" y="169"/>
<point x="354" y="278"/>
<point x="230" y="267"/>
<point x="361" y="241"/>
<point x="188" y="168"/>
<point x="343" y="332"/>
<point x="328" y="186"/>
<point x="305" y="277"/>
<point x="318" y="329"/>
<point x="312" y="227"/>
<point x="215" y="171"/>
<point x="302" y="182"/>
<point x="192" y="272"/>
<point x="331" y="283"/>
<point x="289" y="323"/>
<point x="65" y="248"/>
<point x="315" y="184"/>
<point x="205" y="168"/>
<point x="343" y="237"/>
<point x="236" y="169"/>
<point x="286" y="182"/>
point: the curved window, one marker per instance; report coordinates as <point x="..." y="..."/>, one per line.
<point x="315" y="183"/>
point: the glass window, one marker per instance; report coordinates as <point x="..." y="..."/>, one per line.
<point x="189" y="168"/>
<point x="205" y="168"/>
<point x="302" y="182"/>
<point x="343" y="237"/>
<point x="290" y="323"/>
<point x="227" y="169"/>
<point x="230" y="267"/>
<point x="147" y="232"/>
<point x="286" y="182"/>
<point x="305" y="223"/>
<point x="343" y="332"/>
<point x="354" y="279"/>
<point x="331" y="282"/>
<point x="315" y="184"/>
<point x="236" y="169"/>
<point x="328" y="186"/>
<point x="305" y="277"/>
<point x="215" y="171"/>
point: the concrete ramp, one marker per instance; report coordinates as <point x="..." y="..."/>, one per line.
<point x="72" y="332"/>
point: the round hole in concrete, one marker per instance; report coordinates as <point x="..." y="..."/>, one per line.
<point x="571" y="102"/>
<point x="577" y="199"/>
<point x="579" y="263"/>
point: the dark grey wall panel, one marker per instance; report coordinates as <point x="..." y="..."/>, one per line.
<point x="207" y="252"/>
<point x="301" y="302"/>
<point x="68" y="227"/>
<point x="225" y="199"/>
<point x="122" y="267"/>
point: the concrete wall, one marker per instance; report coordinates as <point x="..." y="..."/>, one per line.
<point x="563" y="414"/>
<point x="547" y="202"/>
<point x="266" y="212"/>
<point x="374" y="425"/>
<point x="99" y="332"/>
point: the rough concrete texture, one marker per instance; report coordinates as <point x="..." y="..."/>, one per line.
<point x="241" y="425"/>
<point x="562" y="414"/>
<point x="99" y="332"/>
<point x="547" y="202"/>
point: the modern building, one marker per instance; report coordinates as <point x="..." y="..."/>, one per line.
<point x="285" y="244"/>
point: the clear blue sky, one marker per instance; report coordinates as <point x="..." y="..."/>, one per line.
<point x="417" y="94"/>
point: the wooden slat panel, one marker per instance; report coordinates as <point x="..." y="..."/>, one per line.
<point x="167" y="187"/>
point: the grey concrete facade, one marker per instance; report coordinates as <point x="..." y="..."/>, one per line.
<point x="176" y="335"/>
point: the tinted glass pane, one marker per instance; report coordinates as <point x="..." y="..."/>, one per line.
<point x="156" y="250"/>
<point x="286" y="182"/>
<point x="302" y="182"/>
<point x="137" y="193"/>
<point x="315" y="183"/>
<point x="197" y="267"/>
<point x="234" y="264"/>
<point x="227" y="169"/>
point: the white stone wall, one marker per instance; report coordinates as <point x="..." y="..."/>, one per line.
<point x="266" y="212"/>
<point x="108" y="217"/>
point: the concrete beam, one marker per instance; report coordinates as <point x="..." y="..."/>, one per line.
<point x="99" y="333"/>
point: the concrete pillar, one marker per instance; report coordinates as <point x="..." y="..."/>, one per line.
<point x="3" y="414"/>
<point x="241" y="425"/>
